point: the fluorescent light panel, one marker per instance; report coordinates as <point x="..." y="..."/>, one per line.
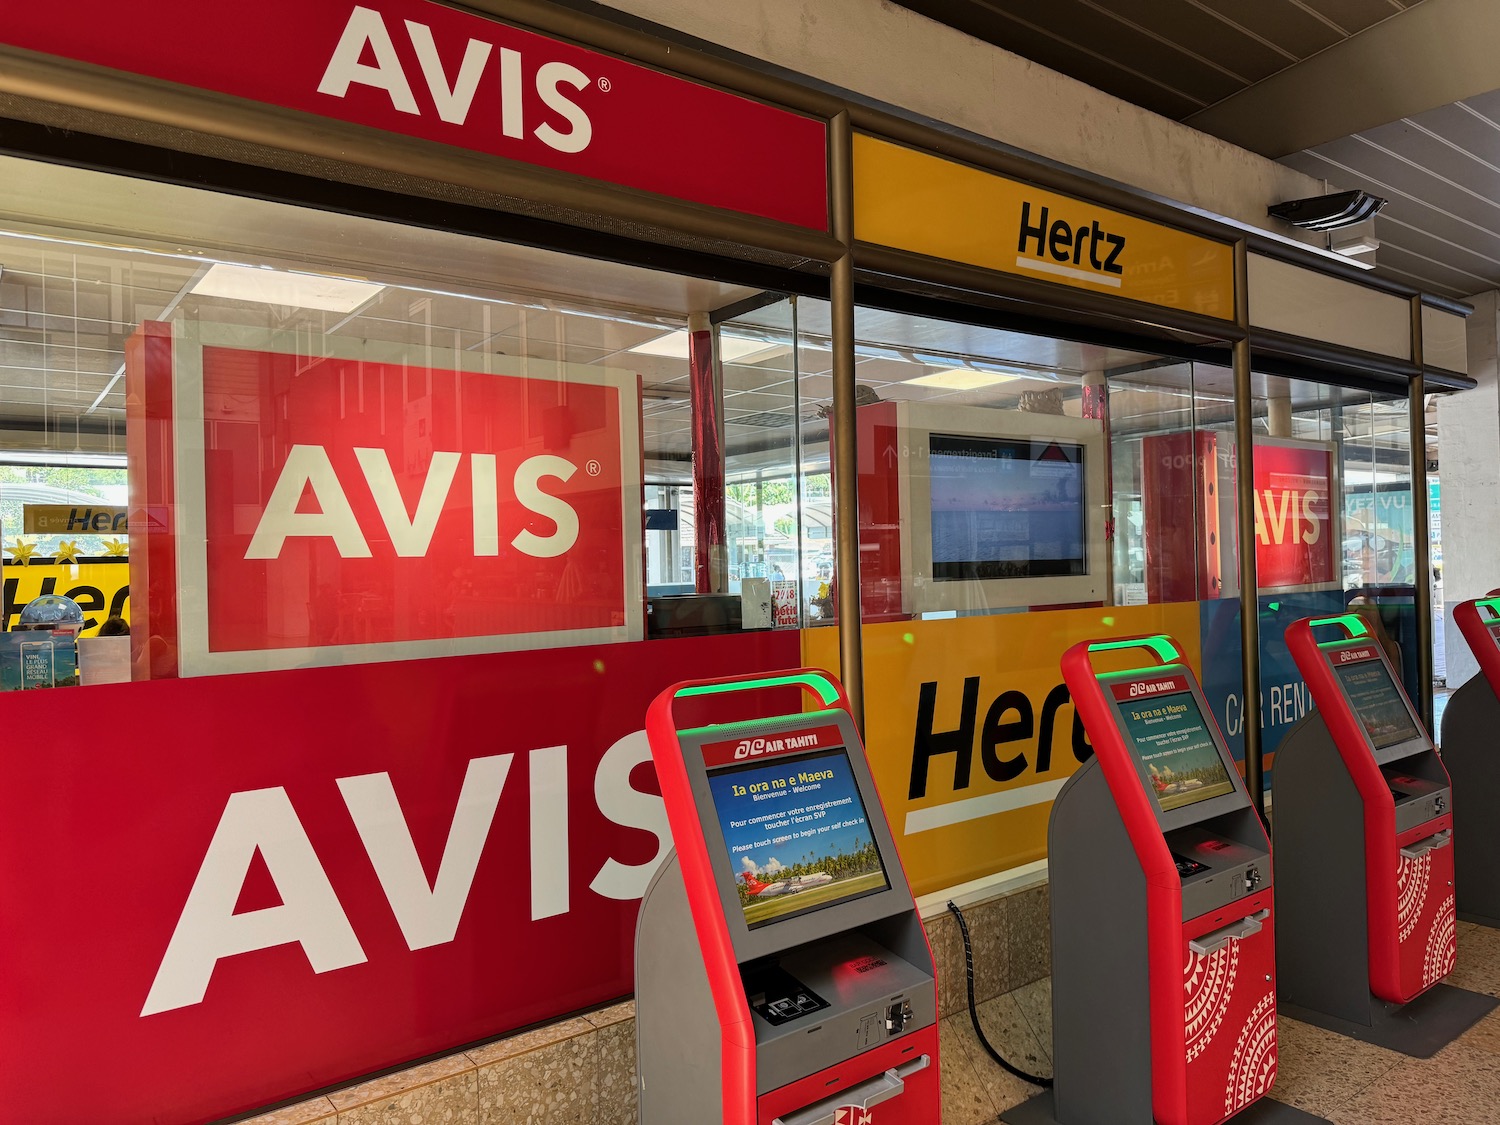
<point x="960" y="379"/>
<point x="282" y="287"/>
<point x="674" y="345"/>
<point x="79" y="460"/>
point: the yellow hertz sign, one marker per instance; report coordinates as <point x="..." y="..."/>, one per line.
<point x="913" y="201"/>
<point x="971" y="732"/>
<point x="101" y="589"/>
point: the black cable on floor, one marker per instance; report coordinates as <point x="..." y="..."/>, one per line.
<point x="963" y="929"/>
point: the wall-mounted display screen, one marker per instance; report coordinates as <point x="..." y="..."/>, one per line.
<point x="1006" y="508"/>
<point x="1170" y="737"/>
<point x="797" y="835"/>
<point x="1378" y="705"/>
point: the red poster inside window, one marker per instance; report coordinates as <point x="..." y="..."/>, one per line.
<point x="370" y="506"/>
<point x="1294" y="535"/>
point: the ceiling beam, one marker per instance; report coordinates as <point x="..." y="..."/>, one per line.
<point x="1434" y="53"/>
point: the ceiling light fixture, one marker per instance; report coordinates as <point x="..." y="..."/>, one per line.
<point x="960" y="379"/>
<point x="283" y="287"/>
<point x="674" y="345"/>
<point x="1328" y="212"/>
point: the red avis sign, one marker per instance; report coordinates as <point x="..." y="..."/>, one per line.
<point x="406" y="510"/>
<point x="324" y="872"/>
<point x="433" y="72"/>
<point x="1294" y="538"/>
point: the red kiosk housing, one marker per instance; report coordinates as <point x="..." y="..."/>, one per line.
<point x="1364" y="833"/>
<point x="1404" y="795"/>
<point x="768" y="993"/>
<point x="1164" y="958"/>
<point x="1470" y="724"/>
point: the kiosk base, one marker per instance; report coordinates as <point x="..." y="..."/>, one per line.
<point x="1266" y="1111"/>
<point x="1420" y="1029"/>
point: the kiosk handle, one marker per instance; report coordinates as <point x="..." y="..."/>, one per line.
<point x="1163" y="647"/>
<point x="813" y="680"/>
<point x="1235" y="931"/>
<point x="1418" y="848"/>
<point x="882" y="1088"/>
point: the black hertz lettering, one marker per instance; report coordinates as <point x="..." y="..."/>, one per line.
<point x="1063" y="243"/>
<point x="1011" y="718"/>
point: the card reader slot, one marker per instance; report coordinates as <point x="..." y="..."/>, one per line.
<point x="1215" y="940"/>
<point x="882" y="1088"/>
<point x="1418" y="848"/>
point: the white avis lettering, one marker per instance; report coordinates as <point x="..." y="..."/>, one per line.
<point x="1062" y="249"/>
<point x="1287" y="516"/>
<point x="312" y="913"/>
<point x="309" y="467"/>
<point x="366" y="34"/>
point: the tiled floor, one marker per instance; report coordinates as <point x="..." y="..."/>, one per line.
<point x="1347" y="1082"/>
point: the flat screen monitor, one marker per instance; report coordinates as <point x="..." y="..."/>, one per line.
<point x="797" y="835"/>
<point x="1006" y="508"/>
<point x="1177" y="749"/>
<point x="1379" y="706"/>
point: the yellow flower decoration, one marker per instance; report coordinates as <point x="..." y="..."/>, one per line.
<point x="67" y="551"/>
<point x="23" y="551"/>
<point x="115" y="547"/>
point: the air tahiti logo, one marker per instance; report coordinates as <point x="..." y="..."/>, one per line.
<point x="853" y="1115"/>
<point x="755" y="747"/>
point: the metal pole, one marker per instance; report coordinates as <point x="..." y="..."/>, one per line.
<point x="1244" y="492"/>
<point x="845" y="434"/>
<point x="1416" y="414"/>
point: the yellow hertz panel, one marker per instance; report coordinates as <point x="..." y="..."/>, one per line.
<point x="971" y="732"/>
<point x="909" y="200"/>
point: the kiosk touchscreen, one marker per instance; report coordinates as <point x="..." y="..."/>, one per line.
<point x="1470" y="723"/>
<point x="1363" y="833"/>
<point x="1163" y="955"/>
<point x="783" y="976"/>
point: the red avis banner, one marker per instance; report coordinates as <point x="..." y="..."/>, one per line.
<point x="324" y="872"/>
<point x="437" y="73"/>
<point x="367" y="508"/>
<point x="1295" y="540"/>
<point x="1188" y="482"/>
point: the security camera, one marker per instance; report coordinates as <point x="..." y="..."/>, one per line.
<point x="1328" y="212"/>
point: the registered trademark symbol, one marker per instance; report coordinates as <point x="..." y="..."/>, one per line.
<point x="605" y="85"/>
<point x="593" y="468"/>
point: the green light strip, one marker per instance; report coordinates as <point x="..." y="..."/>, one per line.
<point x="1353" y="622"/>
<point x="819" y="684"/>
<point x="1491" y="604"/>
<point x="750" y="724"/>
<point x="1161" y="644"/>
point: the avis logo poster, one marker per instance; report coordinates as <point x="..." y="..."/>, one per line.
<point x="374" y="502"/>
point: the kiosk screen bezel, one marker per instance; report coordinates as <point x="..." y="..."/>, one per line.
<point x="1396" y="750"/>
<point x="821" y="921"/>
<point x="1198" y="811"/>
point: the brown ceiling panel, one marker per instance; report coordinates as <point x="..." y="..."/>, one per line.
<point x="1119" y="43"/>
<point x="1282" y="23"/>
<point x="1029" y="40"/>
<point x="1429" y="276"/>
<point x="1204" y="34"/>
<point x="1353" y="16"/>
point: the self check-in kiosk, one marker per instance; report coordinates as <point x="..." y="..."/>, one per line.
<point x="783" y="976"/>
<point x="1163" y="955"/>
<point x="1364" y="843"/>
<point x="1471" y="751"/>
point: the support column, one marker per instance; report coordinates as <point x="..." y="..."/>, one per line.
<point x="1469" y="452"/>
<point x="1244" y="440"/>
<point x="710" y="533"/>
